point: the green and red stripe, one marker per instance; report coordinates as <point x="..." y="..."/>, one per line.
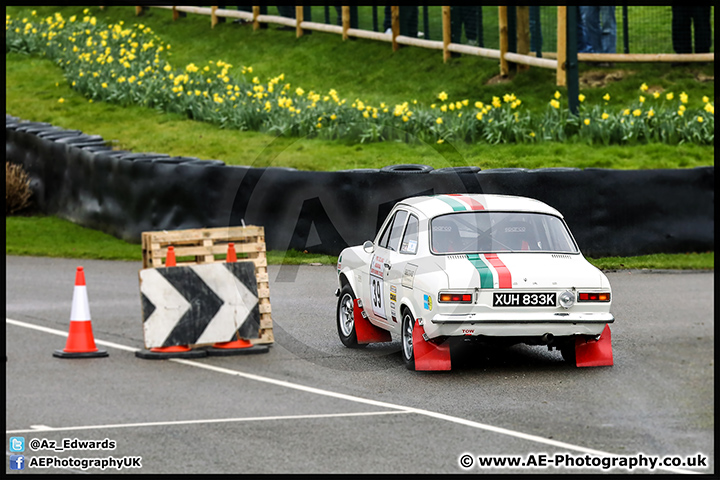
<point x="463" y="203"/>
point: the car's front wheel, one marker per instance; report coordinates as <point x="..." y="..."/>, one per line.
<point x="346" y="318"/>
<point x="408" y="353"/>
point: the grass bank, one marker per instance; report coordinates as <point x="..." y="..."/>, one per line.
<point x="36" y="90"/>
<point x="53" y="237"/>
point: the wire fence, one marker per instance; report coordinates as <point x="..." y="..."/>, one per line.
<point x="639" y="29"/>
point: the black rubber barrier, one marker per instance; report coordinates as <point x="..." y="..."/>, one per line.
<point x="610" y="212"/>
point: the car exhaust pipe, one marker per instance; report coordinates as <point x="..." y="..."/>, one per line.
<point x="547" y="338"/>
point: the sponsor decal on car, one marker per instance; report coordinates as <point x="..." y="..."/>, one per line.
<point x="427" y="302"/>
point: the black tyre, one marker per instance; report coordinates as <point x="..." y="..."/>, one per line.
<point x="407" y="168"/>
<point x="346" y="318"/>
<point x="406" y="340"/>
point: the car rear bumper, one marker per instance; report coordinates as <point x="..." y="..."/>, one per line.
<point x="520" y="325"/>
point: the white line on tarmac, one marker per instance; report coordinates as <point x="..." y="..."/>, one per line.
<point x="352" y="398"/>
<point x="65" y="334"/>
<point x="45" y="429"/>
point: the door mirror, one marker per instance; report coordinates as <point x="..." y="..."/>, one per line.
<point x="369" y="247"/>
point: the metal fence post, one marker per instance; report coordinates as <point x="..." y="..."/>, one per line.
<point x="572" y="61"/>
<point x="626" y="28"/>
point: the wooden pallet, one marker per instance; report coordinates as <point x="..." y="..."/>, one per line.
<point x="208" y="245"/>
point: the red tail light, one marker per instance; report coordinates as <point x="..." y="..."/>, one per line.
<point x="593" y="296"/>
<point x="456" y="297"/>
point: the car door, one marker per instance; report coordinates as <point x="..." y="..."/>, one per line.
<point x="381" y="266"/>
<point x="397" y="261"/>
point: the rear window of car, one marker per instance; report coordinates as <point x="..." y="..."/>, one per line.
<point x="490" y="232"/>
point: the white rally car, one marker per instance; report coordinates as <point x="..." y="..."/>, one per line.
<point x="491" y="267"/>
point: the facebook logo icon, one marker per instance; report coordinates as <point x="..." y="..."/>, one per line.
<point x="17" y="462"/>
<point x="17" y="444"/>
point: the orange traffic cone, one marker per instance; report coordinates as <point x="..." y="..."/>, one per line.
<point x="80" y="342"/>
<point x="173" y="351"/>
<point x="236" y="347"/>
<point x="231" y="254"/>
<point x="170" y="257"/>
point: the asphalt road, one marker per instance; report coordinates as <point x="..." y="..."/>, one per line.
<point x="311" y="405"/>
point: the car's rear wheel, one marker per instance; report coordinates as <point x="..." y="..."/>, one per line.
<point x="408" y="353"/>
<point x="346" y="318"/>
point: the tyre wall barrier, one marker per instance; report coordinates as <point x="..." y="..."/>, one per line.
<point x="610" y="212"/>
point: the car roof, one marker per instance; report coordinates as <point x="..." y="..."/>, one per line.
<point x="434" y="205"/>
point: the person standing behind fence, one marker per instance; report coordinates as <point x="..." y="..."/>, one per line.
<point x="464" y="17"/>
<point x="682" y="18"/>
<point x="600" y="28"/>
<point x="582" y="44"/>
<point x="408" y="20"/>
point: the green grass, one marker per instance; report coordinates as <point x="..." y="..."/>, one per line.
<point x="660" y="261"/>
<point x="53" y="237"/>
<point x="34" y="86"/>
<point x="45" y="236"/>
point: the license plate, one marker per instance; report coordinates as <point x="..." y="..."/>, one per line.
<point x="525" y="299"/>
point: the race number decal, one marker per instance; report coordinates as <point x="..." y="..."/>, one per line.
<point x="377" y="284"/>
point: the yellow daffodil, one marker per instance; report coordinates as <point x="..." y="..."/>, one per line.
<point x="700" y="119"/>
<point x="683" y="97"/>
<point x="557" y="95"/>
<point x="643" y="87"/>
<point x="439" y="121"/>
<point x="581" y="97"/>
<point x="555" y="104"/>
<point x="587" y="121"/>
<point x="604" y="116"/>
<point x="442" y="96"/>
<point x="670" y="96"/>
<point x="606" y="97"/>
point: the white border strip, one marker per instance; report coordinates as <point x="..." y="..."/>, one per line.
<point x="351" y="398"/>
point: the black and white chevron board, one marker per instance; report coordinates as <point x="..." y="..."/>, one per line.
<point x="199" y="304"/>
